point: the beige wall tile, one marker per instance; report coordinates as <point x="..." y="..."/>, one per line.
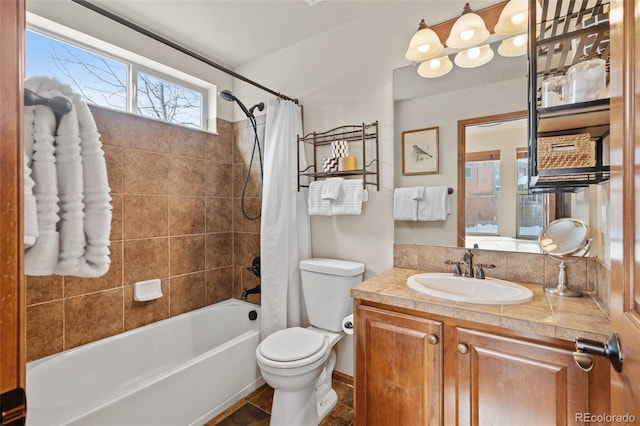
<point x="114" y="159"/>
<point x="145" y="173"/>
<point x="145" y="134"/>
<point x="187" y="254"/>
<point x="116" y="217"/>
<point x="219" y="284"/>
<point x="75" y="286"/>
<point x="146" y="216"/>
<point x="220" y="146"/>
<point x="246" y="247"/>
<point x="219" y="250"/>
<point x="45" y="327"/>
<point x="253" y="208"/>
<point x="187" y="293"/>
<point x="186" y="176"/>
<point x="109" y="125"/>
<point x="137" y="314"/>
<point x="254" y="185"/>
<point x="44" y="289"/>
<point x="219" y="214"/>
<point x="146" y="259"/>
<point x="92" y="317"/>
<point x="219" y="179"/>
<point x="189" y="143"/>
<point x="186" y="215"/>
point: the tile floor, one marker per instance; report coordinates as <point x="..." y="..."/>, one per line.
<point x="254" y="409"/>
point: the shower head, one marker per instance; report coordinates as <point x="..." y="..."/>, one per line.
<point x="228" y="96"/>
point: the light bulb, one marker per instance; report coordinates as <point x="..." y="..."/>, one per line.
<point x="467" y="34"/>
<point x="424" y="48"/>
<point x="473" y="53"/>
<point x="434" y="64"/>
<point x="518" y="18"/>
<point x="519" y="40"/>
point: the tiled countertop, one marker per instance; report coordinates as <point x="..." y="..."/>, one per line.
<point x="565" y="318"/>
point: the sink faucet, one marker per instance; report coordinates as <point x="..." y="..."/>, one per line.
<point x="467" y="259"/>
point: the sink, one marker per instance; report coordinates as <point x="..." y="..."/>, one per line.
<point x="490" y="291"/>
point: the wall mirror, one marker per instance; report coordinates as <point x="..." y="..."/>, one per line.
<point x="481" y="116"/>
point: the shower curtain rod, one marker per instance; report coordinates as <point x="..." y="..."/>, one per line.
<point x="176" y="46"/>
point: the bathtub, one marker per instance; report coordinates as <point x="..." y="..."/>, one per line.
<point x="180" y="371"/>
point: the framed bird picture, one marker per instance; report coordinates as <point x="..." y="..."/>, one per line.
<point x="420" y="154"/>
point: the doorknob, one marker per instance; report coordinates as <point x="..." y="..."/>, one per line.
<point x="585" y="349"/>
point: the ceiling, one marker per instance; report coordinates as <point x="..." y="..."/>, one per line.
<point x="234" y="32"/>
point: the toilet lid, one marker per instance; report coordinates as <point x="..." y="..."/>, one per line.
<point x="291" y="344"/>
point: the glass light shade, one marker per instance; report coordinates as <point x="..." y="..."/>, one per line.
<point x="424" y="44"/>
<point x="469" y="30"/>
<point x="474" y="57"/>
<point x="514" y="17"/>
<point x="435" y="67"/>
<point x="514" y="46"/>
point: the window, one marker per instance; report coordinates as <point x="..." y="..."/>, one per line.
<point x="115" y="83"/>
<point x="481" y="192"/>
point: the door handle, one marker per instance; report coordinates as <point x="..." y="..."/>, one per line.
<point x="585" y="349"/>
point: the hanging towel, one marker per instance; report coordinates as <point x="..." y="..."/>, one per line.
<point x="405" y="202"/>
<point x="318" y="206"/>
<point x="42" y="257"/>
<point x="30" y="209"/>
<point x="350" y="198"/>
<point x="331" y="188"/>
<point x="76" y="177"/>
<point x="435" y="204"/>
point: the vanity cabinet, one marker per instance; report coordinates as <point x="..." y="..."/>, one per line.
<point x="421" y="369"/>
<point x="399" y="369"/>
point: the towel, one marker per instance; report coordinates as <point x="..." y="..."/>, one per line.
<point x="30" y="209"/>
<point x="350" y="198"/>
<point x="318" y="206"/>
<point x="405" y="202"/>
<point x="331" y="188"/>
<point x="435" y="204"/>
<point x="82" y="190"/>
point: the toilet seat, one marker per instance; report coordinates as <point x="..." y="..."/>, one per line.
<point x="292" y="347"/>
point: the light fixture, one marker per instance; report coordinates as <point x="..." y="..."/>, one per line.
<point x="513" y="18"/>
<point x="514" y="46"/>
<point x="435" y="67"/>
<point x="424" y="44"/>
<point x="474" y="57"/>
<point x="468" y="30"/>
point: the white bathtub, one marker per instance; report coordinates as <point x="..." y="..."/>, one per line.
<point x="180" y="371"/>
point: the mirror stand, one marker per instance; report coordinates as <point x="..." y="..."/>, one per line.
<point x="562" y="289"/>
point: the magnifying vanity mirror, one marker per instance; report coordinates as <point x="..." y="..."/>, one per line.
<point x="565" y="240"/>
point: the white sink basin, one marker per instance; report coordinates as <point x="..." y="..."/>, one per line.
<point x="490" y="291"/>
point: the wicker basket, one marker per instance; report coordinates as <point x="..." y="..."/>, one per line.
<point x="566" y="152"/>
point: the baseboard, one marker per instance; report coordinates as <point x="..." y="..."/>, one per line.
<point x="342" y="377"/>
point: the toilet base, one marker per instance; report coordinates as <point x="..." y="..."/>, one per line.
<point x="310" y="405"/>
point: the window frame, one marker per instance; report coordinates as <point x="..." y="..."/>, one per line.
<point x="480" y="156"/>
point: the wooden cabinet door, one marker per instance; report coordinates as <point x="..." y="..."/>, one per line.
<point x="503" y="381"/>
<point x="398" y="369"/>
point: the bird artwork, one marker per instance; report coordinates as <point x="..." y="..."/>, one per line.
<point x="420" y="154"/>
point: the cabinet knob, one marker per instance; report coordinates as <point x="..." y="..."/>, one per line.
<point x="432" y="339"/>
<point x="462" y="348"/>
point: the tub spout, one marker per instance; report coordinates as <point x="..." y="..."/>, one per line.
<point x="246" y="292"/>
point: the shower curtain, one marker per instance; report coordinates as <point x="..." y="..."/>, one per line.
<point x="285" y="236"/>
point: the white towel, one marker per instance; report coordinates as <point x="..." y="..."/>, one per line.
<point x="405" y="202"/>
<point x="350" y="198"/>
<point x="318" y="206"/>
<point x="331" y="188"/>
<point x="435" y="204"/>
<point x="85" y="211"/>
<point x="30" y="209"/>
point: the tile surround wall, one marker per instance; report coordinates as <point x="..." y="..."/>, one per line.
<point x="176" y="216"/>
<point x="587" y="274"/>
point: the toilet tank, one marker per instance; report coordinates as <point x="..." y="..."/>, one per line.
<point x="326" y="285"/>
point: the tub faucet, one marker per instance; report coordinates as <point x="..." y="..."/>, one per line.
<point x="246" y="292"/>
<point x="467" y="259"/>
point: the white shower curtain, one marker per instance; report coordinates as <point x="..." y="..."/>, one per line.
<point x="285" y="236"/>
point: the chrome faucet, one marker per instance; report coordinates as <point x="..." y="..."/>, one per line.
<point x="467" y="259"/>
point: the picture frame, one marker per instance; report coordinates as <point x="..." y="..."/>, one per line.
<point x="420" y="152"/>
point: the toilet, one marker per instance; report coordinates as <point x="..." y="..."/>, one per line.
<point x="298" y="362"/>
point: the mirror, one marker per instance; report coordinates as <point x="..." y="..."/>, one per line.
<point x="472" y="107"/>
<point x="566" y="240"/>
